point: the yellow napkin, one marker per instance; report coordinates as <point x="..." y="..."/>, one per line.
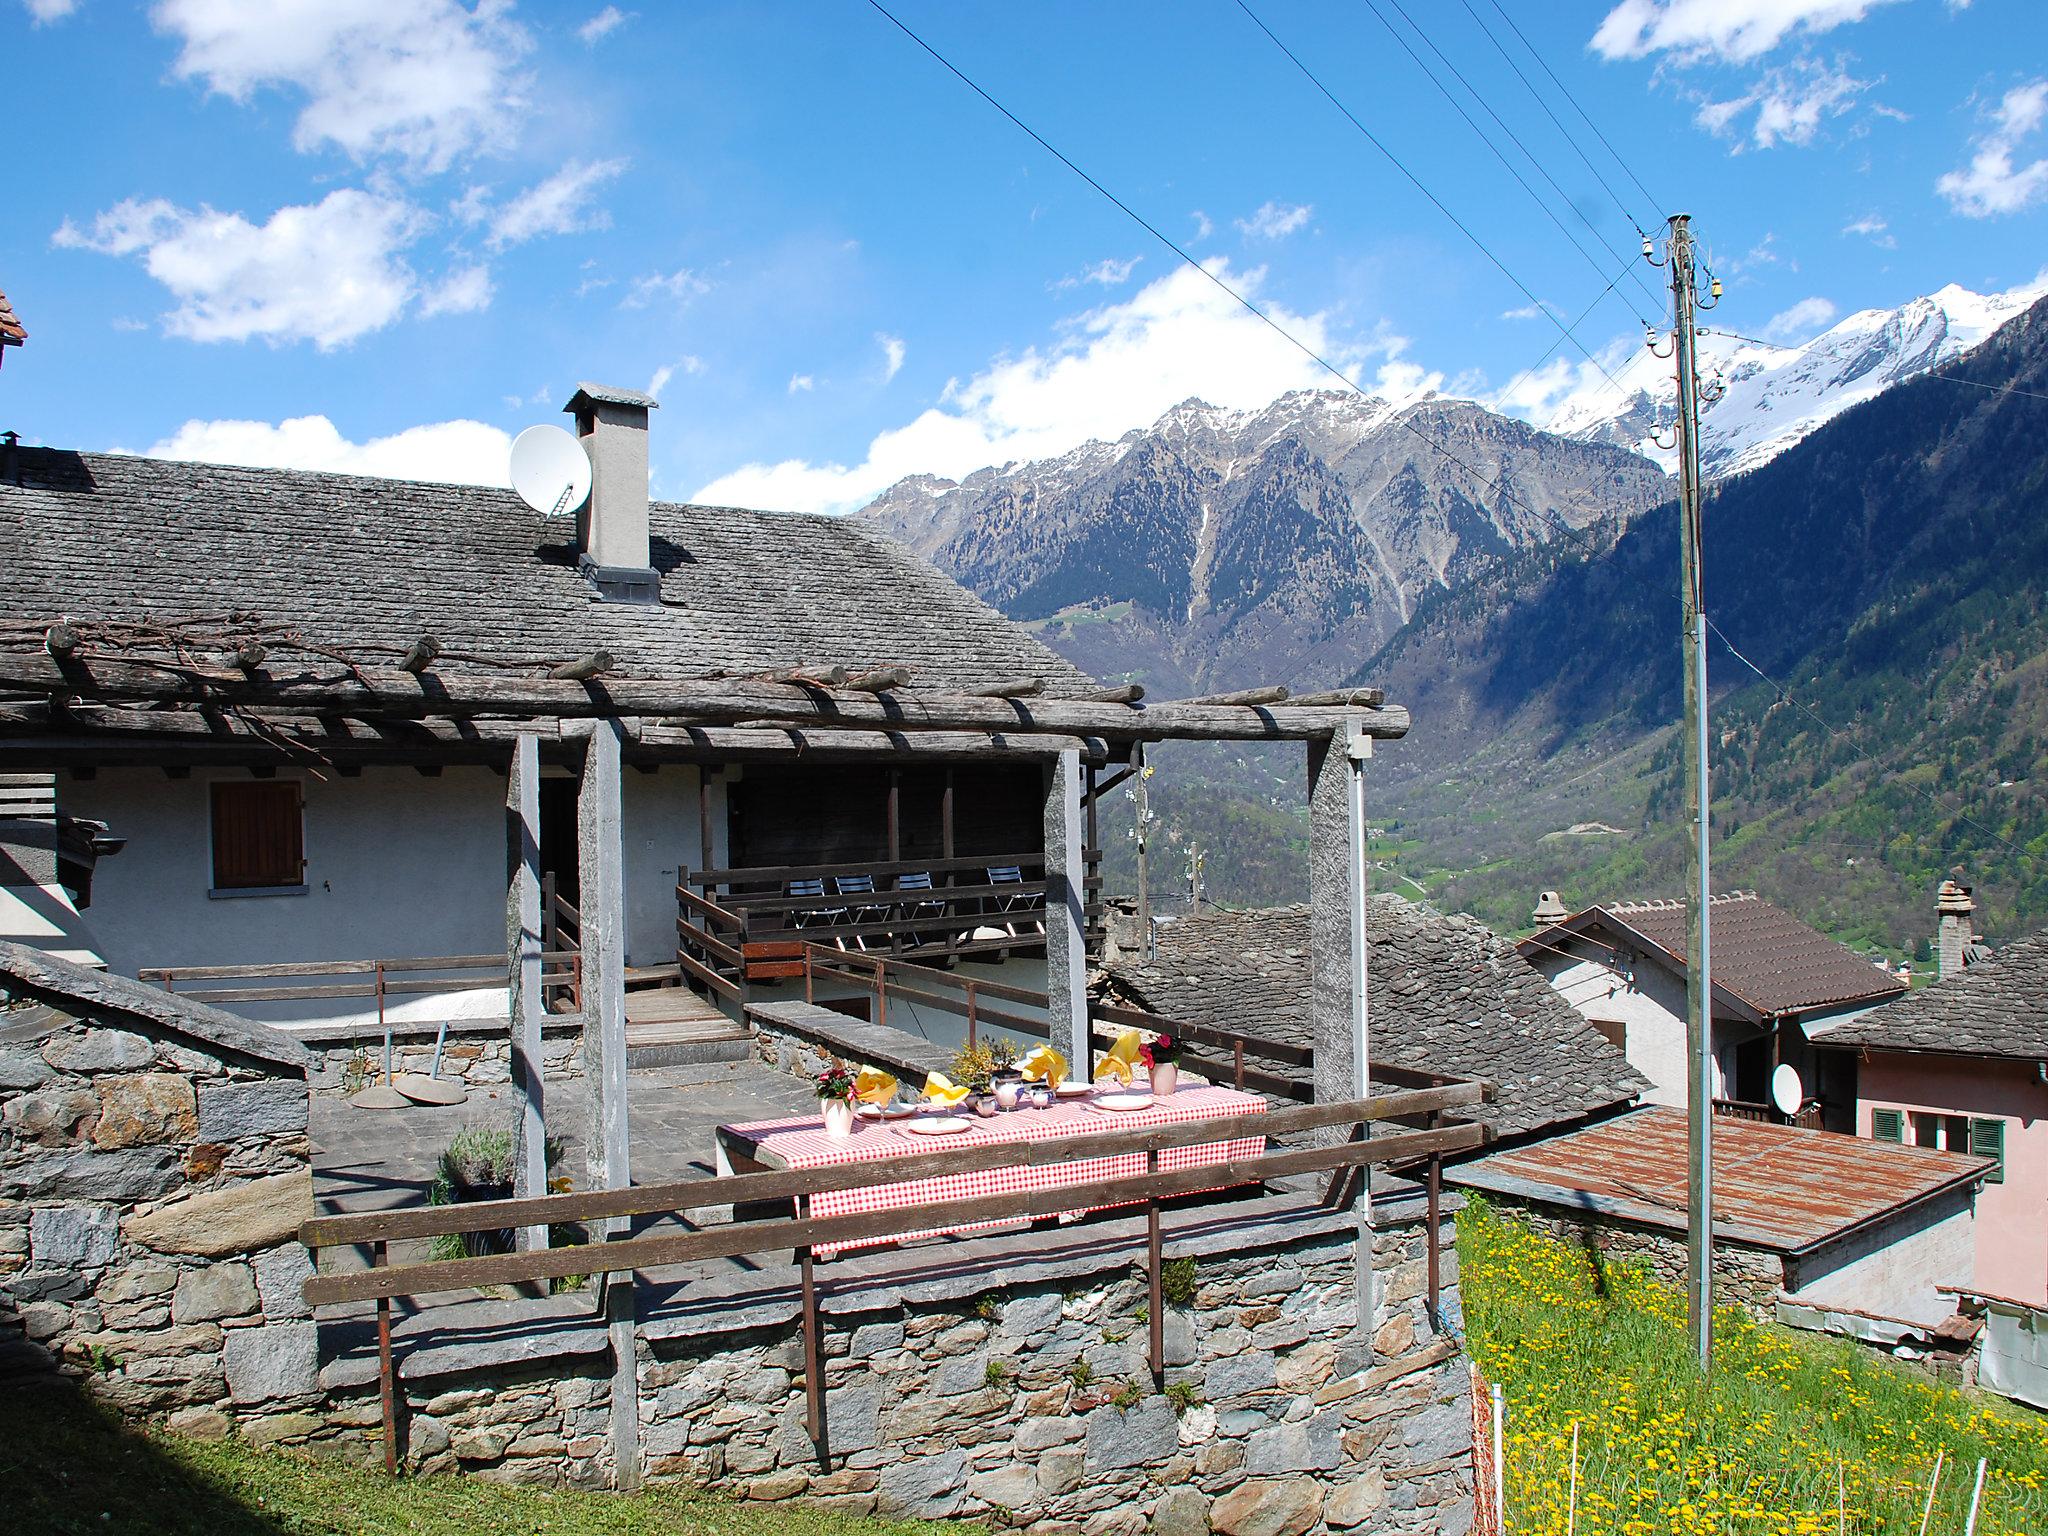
<point x="940" y="1090"/>
<point x="1043" y="1064"/>
<point x="1120" y="1058"/>
<point x="871" y="1085"/>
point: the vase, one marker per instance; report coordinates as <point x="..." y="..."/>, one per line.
<point x="1007" y="1092"/>
<point x="838" y="1117"/>
<point x="985" y="1105"/>
<point x="1165" y="1078"/>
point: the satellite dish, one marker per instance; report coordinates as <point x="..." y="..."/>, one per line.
<point x="550" y="470"/>
<point x="1787" y="1091"/>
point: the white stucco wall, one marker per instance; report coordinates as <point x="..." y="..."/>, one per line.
<point x="1893" y="1269"/>
<point x="1649" y="1003"/>
<point x="397" y="864"/>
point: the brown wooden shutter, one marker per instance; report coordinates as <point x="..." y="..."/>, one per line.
<point x="258" y="836"/>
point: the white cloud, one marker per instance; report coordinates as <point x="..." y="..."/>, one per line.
<point x="1275" y="221"/>
<point x="464" y="452"/>
<point x="1789" y="103"/>
<point x="1116" y="367"/>
<point x="1731" y="31"/>
<point x="1991" y="183"/>
<point x="892" y="354"/>
<point x="602" y="25"/>
<point x="559" y="205"/>
<point x="1106" y="273"/>
<point x="428" y="83"/>
<point x="324" y="272"/>
<point x="45" y="13"/>
<point x="1873" y="229"/>
<point x="460" y="293"/>
<point x="1801" y="320"/>
<point x="686" y="364"/>
<point x="1204" y="225"/>
<point x="801" y="383"/>
<point x="677" y="287"/>
<point x="1534" y="311"/>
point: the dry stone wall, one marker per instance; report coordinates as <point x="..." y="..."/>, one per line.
<point x="1747" y="1277"/>
<point x="479" y="1055"/>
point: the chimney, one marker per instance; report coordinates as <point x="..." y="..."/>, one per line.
<point x="1953" y="932"/>
<point x="612" y="527"/>
<point x="1549" y="910"/>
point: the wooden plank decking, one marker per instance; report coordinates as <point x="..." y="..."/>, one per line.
<point x="672" y="1026"/>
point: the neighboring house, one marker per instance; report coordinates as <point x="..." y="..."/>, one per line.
<point x="1447" y="995"/>
<point x="11" y="332"/>
<point x="1830" y="1222"/>
<point x="1778" y="986"/>
<point x="1962" y="1064"/>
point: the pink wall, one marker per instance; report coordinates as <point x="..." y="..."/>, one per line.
<point x="2012" y="1218"/>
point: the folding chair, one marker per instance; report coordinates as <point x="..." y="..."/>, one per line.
<point x="812" y="917"/>
<point x="932" y="906"/>
<point x="862" y="912"/>
<point x="1010" y="874"/>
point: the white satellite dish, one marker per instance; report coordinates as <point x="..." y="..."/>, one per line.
<point x="1787" y="1091"/>
<point x="550" y="470"/>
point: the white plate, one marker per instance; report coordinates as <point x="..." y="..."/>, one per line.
<point x="896" y="1109"/>
<point x="1074" y="1090"/>
<point x="1124" y="1100"/>
<point x="941" y="1125"/>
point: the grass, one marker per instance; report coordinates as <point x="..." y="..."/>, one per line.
<point x="1788" y="1424"/>
<point x="68" y="1468"/>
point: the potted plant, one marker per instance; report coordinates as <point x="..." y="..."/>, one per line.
<point x="835" y="1100"/>
<point x="1162" y="1056"/>
<point x="480" y="1163"/>
<point x="974" y="1068"/>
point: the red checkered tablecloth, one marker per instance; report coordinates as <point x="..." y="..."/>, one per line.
<point x="801" y="1142"/>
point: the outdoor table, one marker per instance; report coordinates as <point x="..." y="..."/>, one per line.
<point x="801" y="1142"/>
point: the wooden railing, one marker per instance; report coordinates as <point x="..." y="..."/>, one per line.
<point x="303" y="980"/>
<point x="801" y="1232"/>
<point x="740" y="925"/>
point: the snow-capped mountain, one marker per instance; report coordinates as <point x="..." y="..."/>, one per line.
<point x="1770" y="396"/>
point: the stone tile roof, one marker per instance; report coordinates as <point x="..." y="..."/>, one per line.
<point x="348" y="559"/>
<point x="1764" y="958"/>
<point x="109" y="999"/>
<point x="1448" y="995"/>
<point x="1998" y="1007"/>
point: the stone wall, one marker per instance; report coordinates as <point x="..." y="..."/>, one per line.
<point x="479" y="1052"/>
<point x="151" y="1188"/>
<point x="1747" y="1277"/>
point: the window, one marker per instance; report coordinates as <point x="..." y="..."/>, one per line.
<point x="1887" y="1125"/>
<point x="1926" y="1130"/>
<point x="1987" y="1139"/>
<point x="259" y="839"/>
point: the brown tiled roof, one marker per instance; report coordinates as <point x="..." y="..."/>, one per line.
<point x="1998" y="1007"/>
<point x="1764" y="958"/>
<point x="11" y="333"/>
<point x="1775" y="1186"/>
<point x="1448" y="995"/>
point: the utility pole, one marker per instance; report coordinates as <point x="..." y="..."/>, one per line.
<point x="1142" y="799"/>
<point x="1699" y="968"/>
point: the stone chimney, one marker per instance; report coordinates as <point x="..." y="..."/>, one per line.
<point x="1549" y="910"/>
<point x="611" y="530"/>
<point x="1953" y="933"/>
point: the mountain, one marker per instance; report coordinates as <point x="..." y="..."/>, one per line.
<point x="1891" y="569"/>
<point x="1771" y="396"/>
<point x="1218" y="549"/>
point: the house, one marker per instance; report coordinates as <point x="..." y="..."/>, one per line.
<point x="1828" y="1222"/>
<point x="1448" y="996"/>
<point x="1962" y="1065"/>
<point x="11" y="332"/>
<point x="1778" y="986"/>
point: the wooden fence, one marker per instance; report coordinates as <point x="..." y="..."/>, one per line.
<point x="802" y="1232"/>
<point x="306" y="980"/>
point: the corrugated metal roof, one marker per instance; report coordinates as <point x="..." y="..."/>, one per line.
<point x="1764" y="957"/>
<point x="1775" y="1186"/>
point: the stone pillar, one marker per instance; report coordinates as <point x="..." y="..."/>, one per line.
<point x="1338" y="1012"/>
<point x="1066" y="958"/>
<point x="607" y="1147"/>
<point x="523" y="967"/>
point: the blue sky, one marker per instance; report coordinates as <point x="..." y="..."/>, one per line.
<point x="347" y="234"/>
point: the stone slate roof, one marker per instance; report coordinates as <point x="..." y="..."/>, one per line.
<point x="348" y="559"/>
<point x="1448" y="995"/>
<point x="110" y="999"/>
<point x="1998" y="1007"/>
<point x="1765" y="959"/>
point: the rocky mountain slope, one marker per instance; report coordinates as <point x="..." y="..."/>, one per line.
<point x="1772" y="396"/>
<point x="1217" y="549"/>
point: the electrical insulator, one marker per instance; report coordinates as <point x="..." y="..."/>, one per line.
<point x="1649" y="252"/>
<point x="1650" y="337"/>
<point x="1714" y="288"/>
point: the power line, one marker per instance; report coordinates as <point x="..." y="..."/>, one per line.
<point x="1996" y="389"/>
<point x="1568" y="96"/>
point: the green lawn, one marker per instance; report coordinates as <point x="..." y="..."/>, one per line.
<point x="1795" y="1434"/>
<point x="67" y="1468"/>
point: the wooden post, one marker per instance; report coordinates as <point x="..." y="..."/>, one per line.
<point x="1436" y="1198"/>
<point x="1155" y="1265"/>
<point x="1091" y="846"/>
<point x="1237" y="1054"/>
<point x="526" y="895"/>
<point x="705" y="859"/>
<point x="946" y="820"/>
<point x="814" y="1354"/>
<point x="895" y="839"/>
<point x="607" y="1142"/>
<point x="971" y="990"/>
<point x="1066" y="961"/>
<point x="387" y="1376"/>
